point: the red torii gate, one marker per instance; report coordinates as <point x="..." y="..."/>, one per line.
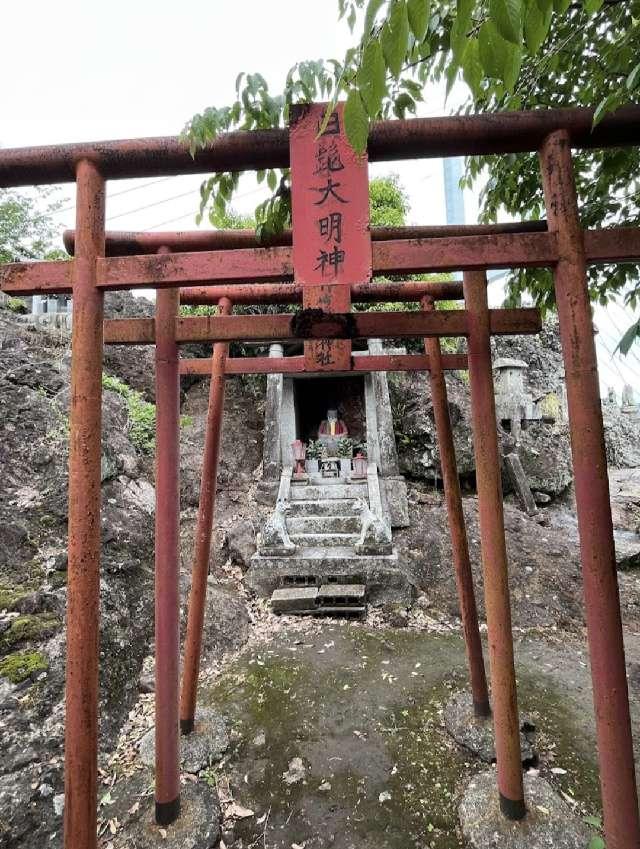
<point x="217" y="260"/>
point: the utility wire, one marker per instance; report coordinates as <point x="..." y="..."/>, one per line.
<point x="123" y="192"/>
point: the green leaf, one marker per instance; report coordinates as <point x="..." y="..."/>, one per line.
<point x="633" y="80"/>
<point x="507" y="16"/>
<point x="472" y="68"/>
<point x="373" y="7"/>
<point x="458" y="39"/>
<point x="592" y="6"/>
<point x="561" y="6"/>
<point x="394" y="37"/>
<point x="596" y="843"/>
<point x="536" y="26"/>
<point x="403" y="103"/>
<point x="623" y="345"/>
<point x="606" y="105"/>
<point x="500" y="58"/>
<point x="596" y="822"/>
<point x="356" y="121"/>
<point x="371" y="77"/>
<point x="272" y="180"/>
<point x="488" y="47"/>
<point x="512" y="58"/>
<point x="418" y="13"/>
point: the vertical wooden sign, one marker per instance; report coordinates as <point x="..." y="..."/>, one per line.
<point x="330" y="212"/>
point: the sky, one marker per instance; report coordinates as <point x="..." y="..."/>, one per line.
<point x="79" y="70"/>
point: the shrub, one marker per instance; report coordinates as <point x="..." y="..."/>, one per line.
<point x="142" y="414"/>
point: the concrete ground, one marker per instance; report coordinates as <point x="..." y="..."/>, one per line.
<point x="337" y="736"/>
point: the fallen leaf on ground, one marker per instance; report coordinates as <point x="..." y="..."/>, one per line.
<point x="238" y="811"/>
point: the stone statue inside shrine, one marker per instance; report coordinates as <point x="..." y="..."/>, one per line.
<point x="331" y="430"/>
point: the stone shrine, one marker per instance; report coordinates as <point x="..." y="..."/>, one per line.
<point x="339" y="520"/>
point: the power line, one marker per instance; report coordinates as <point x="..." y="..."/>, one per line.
<point x="124" y="192"/>
<point x="188" y="214"/>
<point x="190" y="193"/>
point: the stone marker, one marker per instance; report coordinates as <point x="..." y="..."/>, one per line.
<point x="476" y="733"/>
<point x="204" y="746"/>
<point x="548" y="824"/>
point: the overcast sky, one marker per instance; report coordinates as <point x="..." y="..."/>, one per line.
<point x="78" y="70"/>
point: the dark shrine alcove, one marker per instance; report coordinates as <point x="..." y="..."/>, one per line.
<point x="313" y="396"/>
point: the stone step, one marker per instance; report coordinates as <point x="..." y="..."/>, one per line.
<point x="311" y="566"/>
<point x="304" y="492"/>
<point x="325" y="540"/>
<point x="315" y="508"/>
<point x="329" y="599"/>
<point x="337" y="595"/>
<point x="324" y="525"/>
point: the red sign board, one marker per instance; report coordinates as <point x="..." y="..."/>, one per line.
<point x="330" y="211"/>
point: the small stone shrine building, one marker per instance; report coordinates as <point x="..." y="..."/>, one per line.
<point x="296" y="404"/>
<point x="327" y="547"/>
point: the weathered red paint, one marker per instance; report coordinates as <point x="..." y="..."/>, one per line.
<point x="204" y="528"/>
<point x="167" y="558"/>
<point x="296" y="365"/>
<point x="597" y="552"/>
<point x="274" y="328"/>
<point x="498" y="250"/>
<point x="247" y="265"/>
<point x="126" y="243"/>
<point x="494" y="551"/>
<point x="83" y="575"/>
<point x="416" y="138"/>
<point x="457" y="528"/>
<point x="291" y="293"/>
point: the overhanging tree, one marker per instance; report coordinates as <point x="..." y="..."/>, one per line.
<point x="511" y="54"/>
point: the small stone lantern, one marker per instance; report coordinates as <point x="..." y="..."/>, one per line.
<point x="299" y="454"/>
<point x="359" y="466"/>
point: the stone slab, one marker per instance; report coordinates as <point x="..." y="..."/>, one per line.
<point x="476" y="734"/>
<point x="323" y="525"/>
<point x="321" y="540"/>
<point x="354" y="592"/>
<point x="197" y="827"/>
<point x="329" y="490"/>
<point x="395" y="501"/>
<point x="548" y="824"/>
<point x="316" y="508"/>
<point x="204" y="746"/>
<point x="289" y="599"/>
<point x="520" y="483"/>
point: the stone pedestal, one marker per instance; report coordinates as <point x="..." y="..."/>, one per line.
<point x="548" y="824"/>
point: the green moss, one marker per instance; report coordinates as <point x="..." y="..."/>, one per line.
<point x="20" y="665"/>
<point x="17" y="305"/>
<point x="142" y="414"/>
<point x="10" y="597"/>
<point x="186" y="421"/>
<point x="29" y="627"/>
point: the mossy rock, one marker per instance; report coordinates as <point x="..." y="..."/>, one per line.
<point x="30" y="627"/>
<point x="20" y="665"/>
<point x="10" y="597"/>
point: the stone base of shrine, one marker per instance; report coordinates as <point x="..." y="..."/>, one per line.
<point x="548" y="824"/>
<point x="316" y="566"/>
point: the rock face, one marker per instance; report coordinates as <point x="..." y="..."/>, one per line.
<point x="34" y="398"/>
<point x="133" y="364"/>
<point x="543" y="446"/>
